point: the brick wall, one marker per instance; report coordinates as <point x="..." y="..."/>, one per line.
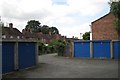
<point x="104" y="29"/>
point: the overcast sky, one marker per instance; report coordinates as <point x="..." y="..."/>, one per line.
<point x="71" y="17"/>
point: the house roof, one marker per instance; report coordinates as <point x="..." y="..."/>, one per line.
<point x="30" y="35"/>
<point x="11" y="31"/>
<point x="72" y="39"/>
<point x="102" y="17"/>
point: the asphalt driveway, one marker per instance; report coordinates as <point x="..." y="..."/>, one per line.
<point x="52" y="66"/>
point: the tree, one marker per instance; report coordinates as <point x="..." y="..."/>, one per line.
<point x="54" y="30"/>
<point x="86" y="36"/>
<point x="115" y="9"/>
<point x="45" y="29"/>
<point x="34" y="26"/>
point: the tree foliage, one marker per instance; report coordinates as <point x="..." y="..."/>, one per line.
<point x="35" y="26"/>
<point x="41" y="47"/>
<point x="45" y="29"/>
<point x="54" y="30"/>
<point x="59" y="46"/>
<point x="86" y="36"/>
<point x="115" y="9"/>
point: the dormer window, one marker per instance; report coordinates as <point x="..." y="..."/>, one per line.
<point x="3" y="36"/>
<point x="22" y="37"/>
<point x="11" y="36"/>
<point x="18" y="37"/>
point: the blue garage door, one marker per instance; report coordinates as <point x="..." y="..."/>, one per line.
<point x="7" y="57"/>
<point x="26" y="54"/>
<point x="116" y="50"/>
<point x="0" y="57"/>
<point x="101" y="49"/>
<point x="82" y="49"/>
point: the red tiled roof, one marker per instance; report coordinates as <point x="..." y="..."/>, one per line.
<point x="11" y="32"/>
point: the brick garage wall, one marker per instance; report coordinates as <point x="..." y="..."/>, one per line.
<point x="104" y="29"/>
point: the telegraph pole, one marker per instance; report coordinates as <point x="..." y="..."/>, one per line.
<point x="0" y="19"/>
<point x="80" y="35"/>
<point x="0" y="22"/>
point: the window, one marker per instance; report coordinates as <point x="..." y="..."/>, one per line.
<point x="11" y="36"/>
<point x="3" y="36"/>
<point x="18" y="37"/>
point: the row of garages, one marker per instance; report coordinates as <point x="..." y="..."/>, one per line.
<point x="97" y="49"/>
<point x="18" y="55"/>
<point x="24" y="54"/>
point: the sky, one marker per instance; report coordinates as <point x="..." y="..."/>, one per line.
<point x="71" y="17"/>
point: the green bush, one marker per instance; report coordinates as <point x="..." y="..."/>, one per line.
<point x="56" y="46"/>
<point x="41" y="48"/>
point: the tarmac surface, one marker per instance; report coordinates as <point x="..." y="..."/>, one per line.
<point x="52" y="66"/>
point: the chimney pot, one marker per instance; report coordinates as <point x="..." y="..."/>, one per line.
<point x="11" y="25"/>
<point x="73" y="37"/>
<point x="49" y="33"/>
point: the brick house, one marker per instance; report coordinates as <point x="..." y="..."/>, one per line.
<point x="14" y="33"/>
<point x="104" y="28"/>
<point x="46" y="38"/>
<point x="11" y="33"/>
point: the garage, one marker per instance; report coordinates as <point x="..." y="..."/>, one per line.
<point x="26" y="54"/>
<point x="8" y="49"/>
<point x="82" y="49"/>
<point x="101" y="49"/>
<point x="116" y="49"/>
<point x="1" y="58"/>
<point x="18" y="54"/>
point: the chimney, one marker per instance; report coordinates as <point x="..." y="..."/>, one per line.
<point x="40" y="33"/>
<point x="49" y="33"/>
<point x="60" y="34"/>
<point x="73" y="37"/>
<point x="64" y="37"/>
<point x="11" y="25"/>
<point x="23" y="31"/>
<point x="30" y="30"/>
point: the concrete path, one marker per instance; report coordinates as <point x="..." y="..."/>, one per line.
<point x="52" y="66"/>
